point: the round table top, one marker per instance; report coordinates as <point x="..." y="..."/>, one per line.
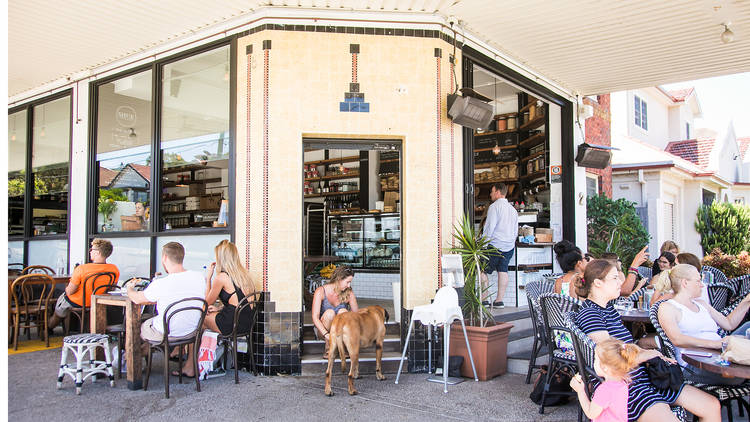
<point x="635" y="315"/>
<point x="708" y="363"/>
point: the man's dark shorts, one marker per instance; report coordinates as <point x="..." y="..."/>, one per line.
<point x="499" y="263"/>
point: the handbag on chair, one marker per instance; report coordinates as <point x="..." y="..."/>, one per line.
<point x="663" y="375"/>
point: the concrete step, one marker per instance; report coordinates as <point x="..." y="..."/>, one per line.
<point x="391" y="343"/>
<point x="314" y="364"/>
<point x="518" y="362"/>
<point x="391" y="328"/>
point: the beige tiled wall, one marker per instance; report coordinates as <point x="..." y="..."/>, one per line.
<point x="308" y="75"/>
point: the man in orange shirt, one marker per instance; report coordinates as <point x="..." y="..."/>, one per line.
<point x="73" y="298"/>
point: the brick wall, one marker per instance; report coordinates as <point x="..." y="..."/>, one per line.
<point x="598" y="132"/>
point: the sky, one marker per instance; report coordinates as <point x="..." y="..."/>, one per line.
<point x="722" y="98"/>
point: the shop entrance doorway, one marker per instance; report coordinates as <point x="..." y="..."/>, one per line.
<point x="352" y="216"/>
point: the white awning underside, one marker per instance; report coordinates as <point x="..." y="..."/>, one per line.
<point x="584" y="46"/>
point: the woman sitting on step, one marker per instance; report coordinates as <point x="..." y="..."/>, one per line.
<point x="333" y="298"/>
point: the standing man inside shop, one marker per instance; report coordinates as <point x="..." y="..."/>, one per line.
<point x="501" y="230"/>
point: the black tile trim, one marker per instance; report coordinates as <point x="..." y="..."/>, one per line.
<point x="399" y="32"/>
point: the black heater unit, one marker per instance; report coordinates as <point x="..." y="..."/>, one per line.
<point x="470" y="109"/>
<point x="594" y="156"/>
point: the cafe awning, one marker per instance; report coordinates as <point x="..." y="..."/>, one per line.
<point x="584" y="46"/>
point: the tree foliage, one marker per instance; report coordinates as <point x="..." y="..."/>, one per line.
<point x="725" y="226"/>
<point x="614" y="226"/>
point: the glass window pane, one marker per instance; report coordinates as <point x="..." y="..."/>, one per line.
<point x="199" y="250"/>
<point x="52" y="253"/>
<point x="644" y="117"/>
<point x="637" y="102"/>
<point x="15" y="252"/>
<point x="123" y="153"/>
<point x="195" y="141"/>
<point x="49" y="163"/>
<point x="131" y="255"/>
<point x="16" y="171"/>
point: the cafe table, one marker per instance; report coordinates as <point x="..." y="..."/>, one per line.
<point x="58" y="278"/>
<point x="709" y="363"/>
<point x="313" y="260"/>
<point x="635" y="315"/>
<point x="132" y="331"/>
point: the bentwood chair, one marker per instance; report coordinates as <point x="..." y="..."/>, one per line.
<point x="94" y="284"/>
<point x="38" y="269"/>
<point x="725" y="393"/>
<point x="245" y="311"/>
<point x="167" y="342"/>
<point x="15" y="268"/>
<point x="30" y="298"/>
<point x="561" y="353"/>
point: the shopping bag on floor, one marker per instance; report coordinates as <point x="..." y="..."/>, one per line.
<point x="207" y="353"/>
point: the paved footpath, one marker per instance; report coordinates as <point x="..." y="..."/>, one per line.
<point x="33" y="396"/>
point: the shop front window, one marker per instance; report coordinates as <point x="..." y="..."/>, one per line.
<point x="199" y="250"/>
<point x="16" y="171"/>
<point x="131" y="256"/>
<point x="123" y="154"/>
<point x="195" y="141"/>
<point x="50" y="166"/>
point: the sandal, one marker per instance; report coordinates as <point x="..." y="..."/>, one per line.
<point x="177" y="374"/>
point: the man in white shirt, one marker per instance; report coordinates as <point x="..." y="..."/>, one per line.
<point x="177" y="285"/>
<point x="501" y="229"/>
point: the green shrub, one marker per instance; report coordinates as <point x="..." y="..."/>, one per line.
<point x="725" y="226"/>
<point x="614" y="226"/>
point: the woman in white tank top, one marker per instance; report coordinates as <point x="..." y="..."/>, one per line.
<point x="689" y="322"/>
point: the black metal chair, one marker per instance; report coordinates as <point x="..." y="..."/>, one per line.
<point x="725" y="393"/>
<point x="719" y="294"/>
<point x="534" y="290"/>
<point x="91" y="286"/>
<point x="167" y="342"/>
<point x="29" y="304"/>
<point x="718" y="275"/>
<point x="246" y="309"/>
<point x="561" y="355"/>
<point x="740" y="285"/>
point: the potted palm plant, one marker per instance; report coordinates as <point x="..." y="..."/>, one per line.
<point x="488" y="339"/>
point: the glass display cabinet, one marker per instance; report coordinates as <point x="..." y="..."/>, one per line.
<point x="371" y="241"/>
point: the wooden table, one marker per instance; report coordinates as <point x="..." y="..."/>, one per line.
<point x="132" y="331"/>
<point x="58" y="278"/>
<point x="734" y="370"/>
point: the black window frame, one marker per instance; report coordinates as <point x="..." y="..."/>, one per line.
<point x="28" y="217"/>
<point x="155" y="231"/>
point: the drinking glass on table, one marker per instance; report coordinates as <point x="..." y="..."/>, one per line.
<point x="721" y="360"/>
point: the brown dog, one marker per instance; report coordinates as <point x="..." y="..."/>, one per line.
<point x="354" y="330"/>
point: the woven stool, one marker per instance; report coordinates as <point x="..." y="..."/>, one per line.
<point x="80" y="344"/>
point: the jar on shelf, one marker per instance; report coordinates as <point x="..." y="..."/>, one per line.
<point x="502" y="123"/>
<point x="525" y="118"/>
<point x="512" y="121"/>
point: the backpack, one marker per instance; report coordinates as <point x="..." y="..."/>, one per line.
<point x="560" y="383"/>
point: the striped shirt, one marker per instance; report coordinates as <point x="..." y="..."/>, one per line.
<point x="641" y="394"/>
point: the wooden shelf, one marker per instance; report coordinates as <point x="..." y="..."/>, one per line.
<point x="349" y="159"/>
<point x="187" y="167"/>
<point x="347" y="211"/>
<point x="538" y="121"/>
<point x="389" y="161"/>
<point x="494" y="132"/>
<point x="389" y="190"/>
<point x="207" y="210"/>
<point x="497" y="181"/>
<point x="175" y="199"/>
<point x="538" y="154"/>
<point x="493" y="164"/>
<point x="352" y="175"/>
<point x="534" y="265"/>
<point x="533" y="140"/>
<point x="501" y="148"/>
<point x="168" y="184"/>
<point x="318" y="195"/>
<point x="537" y="173"/>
